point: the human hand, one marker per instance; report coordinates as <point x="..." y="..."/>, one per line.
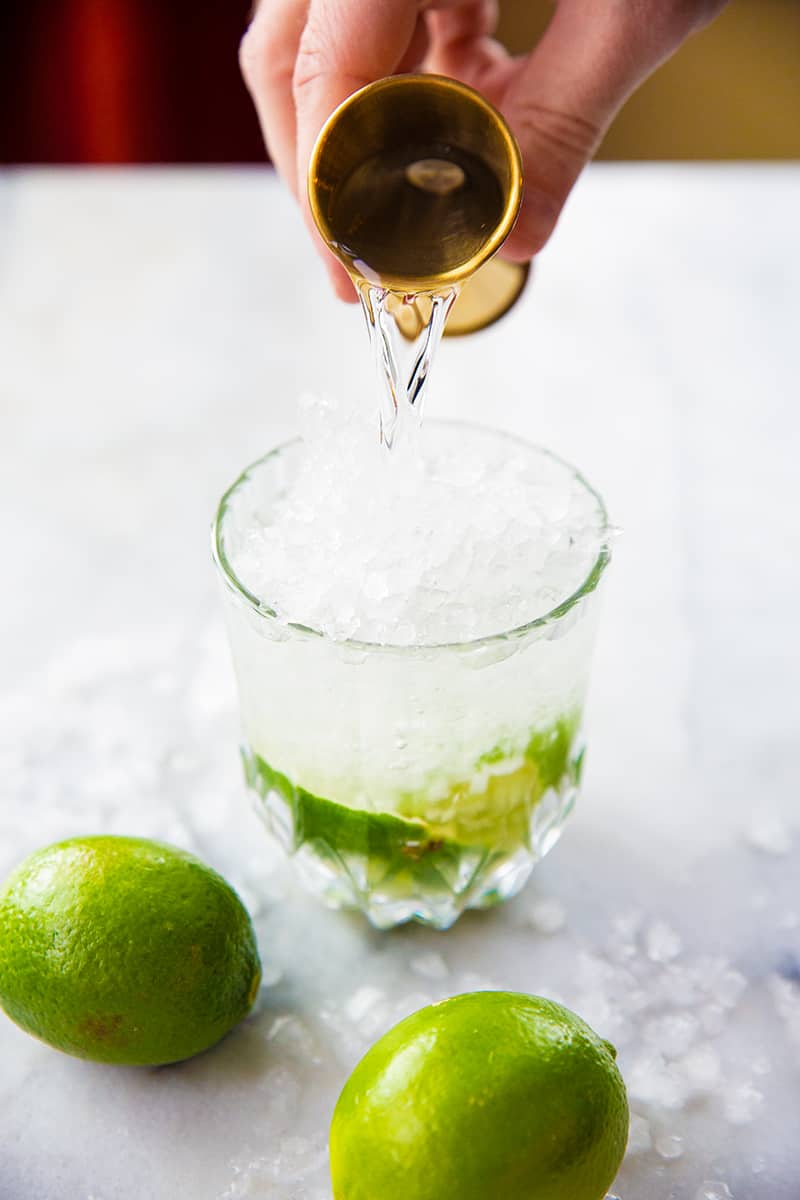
<point x="302" y="58"/>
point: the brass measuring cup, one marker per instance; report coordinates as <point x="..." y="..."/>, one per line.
<point x="404" y="111"/>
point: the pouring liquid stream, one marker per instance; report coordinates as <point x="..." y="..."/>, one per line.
<point x="404" y="333"/>
<point x="418" y="212"/>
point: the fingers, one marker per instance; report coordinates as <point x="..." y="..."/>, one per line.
<point x="461" y="39"/>
<point x="267" y="56"/>
<point x="345" y="45"/>
<point x="332" y="63"/>
<point x="562" y="98"/>
<point x="302" y="58"/>
<point x="418" y="48"/>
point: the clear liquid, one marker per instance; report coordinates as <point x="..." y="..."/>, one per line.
<point x="404" y="332"/>
<point x="416" y="212"/>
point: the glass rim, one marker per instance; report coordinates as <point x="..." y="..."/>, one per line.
<point x="536" y="625"/>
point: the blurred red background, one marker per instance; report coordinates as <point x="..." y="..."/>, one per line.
<point x="133" y="81"/>
<point x="157" y="81"/>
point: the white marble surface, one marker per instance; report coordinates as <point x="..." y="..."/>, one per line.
<point x="155" y="331"/>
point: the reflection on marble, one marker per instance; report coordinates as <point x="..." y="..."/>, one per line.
<point x="155" y="332"/>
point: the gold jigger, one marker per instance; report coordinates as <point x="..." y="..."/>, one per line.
<point x="422" y="126"/>
<point x="487" y="296"/>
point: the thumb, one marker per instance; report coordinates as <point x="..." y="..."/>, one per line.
<point x="561" y="99"/>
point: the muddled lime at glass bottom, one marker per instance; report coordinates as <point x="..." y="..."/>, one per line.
<point x="428" y="860"/>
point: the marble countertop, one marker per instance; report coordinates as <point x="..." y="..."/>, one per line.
<point x="156" y="331"/>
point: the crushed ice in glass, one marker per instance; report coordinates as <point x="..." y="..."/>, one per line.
<point x="447" y="543"/>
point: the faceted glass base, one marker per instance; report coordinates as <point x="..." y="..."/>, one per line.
<point x="397" y="869"/>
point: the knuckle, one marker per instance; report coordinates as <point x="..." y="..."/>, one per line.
<point x="323" y="57"/>
<point x="250" y="55"/>
<point x="309" y="67"/>
<point x="567" y="137"/>
<point x="265" y="55"/>
<point x="312" y="62"/>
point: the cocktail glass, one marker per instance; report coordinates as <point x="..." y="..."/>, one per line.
<point x="409" y="781"/>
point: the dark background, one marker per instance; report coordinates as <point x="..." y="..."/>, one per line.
<point x="157" y="81"/>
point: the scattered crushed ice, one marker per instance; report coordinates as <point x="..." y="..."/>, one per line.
<point x="671" y="1033"/>
<point x="664" y="1010"/>
<point x="281" y="1090"/>
<point x="727" y="985"/>
<point x="769" y="834"/>
<point x="361" y="1001"/>
<point x="290" y="1035"/>
<point x="362" y="544"/>
<point x="702" y="1067"/>
<point x="363" y="1016"/>
<point x="640" y="1139"/>
<point x="713" y="1189"/>
<point x="547" y="916"/>
<point x="786" y="998"/>
<point x="625" y="929"/>
<point x="712" y="1018"/>
<point x="669" y="1146"/>
<point x="430" y="966"/>
<point x="653" y="1081"/>
<point x="662" y="943"/>
<point x="293" y="1160"/>
<point x="376" y="1012"/>
<point x="298" y="1157"/>
<point x="743" y="1103"/>
<point x="270" y="973"/>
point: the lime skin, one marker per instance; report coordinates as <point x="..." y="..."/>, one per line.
<point x="485" y="1096"/>
<point x="124" y="950"/>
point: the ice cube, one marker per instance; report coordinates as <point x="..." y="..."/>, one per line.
<point x="727" y="987"/>
<point x="361" y="1001"/>
<point x="298" y="1157"/>
<point x="547" y="916"/>
<point x="430" y="966"/>
<point x="702" y="1067"/>
<point x="639" y="1137"/>
<point x="651" y="1080"/>
<point x="671" y="1034"/>
<point x="662" y="943"/>
<point x="770" y="834"/>
<point x="713" y="1189"/>
<point x="669" y="1146"/>
<point x="743" y="1103"/>
<point x="290" y="1034"/>
<point x="712" y="1019"/>
<point x="281" y="1091"/>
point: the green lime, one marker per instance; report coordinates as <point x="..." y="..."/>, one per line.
<point x="124" y="950"/>
<point x="492" y="813"/>
<point x="483" y="1096"/>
